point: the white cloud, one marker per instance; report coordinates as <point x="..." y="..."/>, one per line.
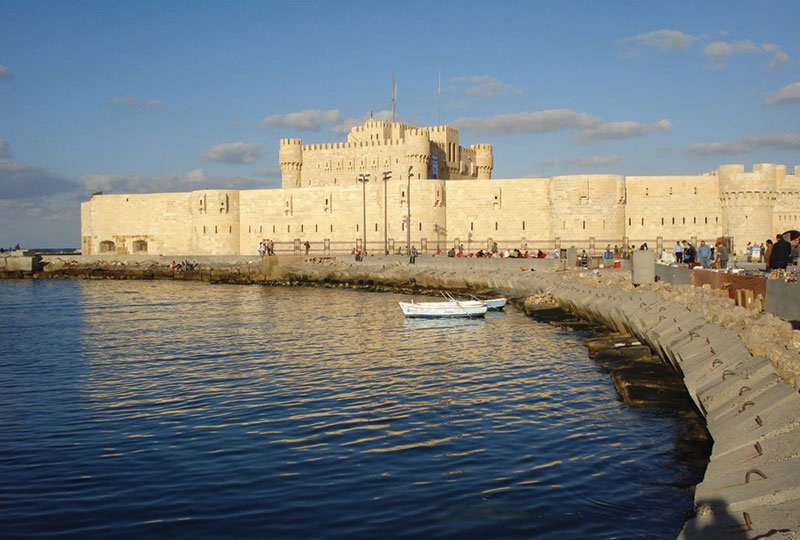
<point x="237" y="152"/>
<point x="592" y="161"/>
<point x="788" y="94"/>
<point x="190" y="181"/>
<point x="664" y="40"/>
<point x="306" y="120"/>
<point x="779" y="60"/>
<point x="718" y="52"/>
<point x="5" y="149"/>
<point x="481" y="86"/>
<point x="625" y="130"/>
<point x="527" y="122"/>
<point x="5" y="73"/>
<point x="717" y="148"/>
<point x="778" y="141"/>
<point x="134" y="103"/>
<point x="268" y="172"/>
<point x="21" y="181"/>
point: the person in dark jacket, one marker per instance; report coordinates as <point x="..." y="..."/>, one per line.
<point x="781" y="251"/>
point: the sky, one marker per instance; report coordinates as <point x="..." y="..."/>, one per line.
<point x="149" y="96"/>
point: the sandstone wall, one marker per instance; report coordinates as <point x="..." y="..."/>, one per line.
<point x="674" y="208"/>
<point x="511" y="212"/>
<point x="155" y="223"/>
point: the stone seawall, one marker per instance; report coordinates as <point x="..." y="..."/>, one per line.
<point x="740" y="367"/>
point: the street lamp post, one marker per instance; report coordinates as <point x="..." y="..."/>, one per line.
<point x="408" y="212"/>
<point x="364" y="178"/>
<point x="387" y="175"/>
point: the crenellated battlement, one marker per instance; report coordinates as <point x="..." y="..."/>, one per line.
<point x="291" y="142"/>
<point x="443" y="129"/>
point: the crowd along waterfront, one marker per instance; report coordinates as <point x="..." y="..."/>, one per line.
<point x="185" y="410"/>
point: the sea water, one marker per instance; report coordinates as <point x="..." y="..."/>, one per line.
<point x="139" y="409"/>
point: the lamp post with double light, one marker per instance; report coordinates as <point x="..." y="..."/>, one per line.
<point x="364" y="178"/>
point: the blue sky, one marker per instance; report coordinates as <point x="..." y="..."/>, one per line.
<point x="180" y="95"/>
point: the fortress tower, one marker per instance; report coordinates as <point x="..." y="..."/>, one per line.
<point x="484" y="160"/>
<point x="215" y="221"/>
<point x="418" y="151"/>
<point x="290" y="157"/>
<point x="747" y="201"/>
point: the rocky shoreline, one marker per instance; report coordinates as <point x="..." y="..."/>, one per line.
<point x="740" y="367"/>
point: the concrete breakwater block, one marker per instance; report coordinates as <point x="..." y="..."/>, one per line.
<point x="754" y="423"/>
<point x="776" y="522"/>
<point x="756" y="410"/>
<point x="640" y="378"/>
<point x="733" y="390"/>
<point x="598" y="344"/>
<point x="743" y="487"/>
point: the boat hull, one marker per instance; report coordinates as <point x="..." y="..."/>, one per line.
<point x="443" y="310"/>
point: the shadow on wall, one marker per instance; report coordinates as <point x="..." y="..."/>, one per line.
<point x="720" y="524"/>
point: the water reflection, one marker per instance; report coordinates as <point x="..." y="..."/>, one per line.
<point x="180" y="409"/>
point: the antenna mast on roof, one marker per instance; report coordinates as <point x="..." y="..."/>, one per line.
<point x="394" y="98"/>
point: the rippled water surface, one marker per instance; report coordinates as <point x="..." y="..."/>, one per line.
<point x="189" y="410"/>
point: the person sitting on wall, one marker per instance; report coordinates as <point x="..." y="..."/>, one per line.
<point x="461" y="249"/>
<point x="452" y="252"/>
<point x="541" y="254"/>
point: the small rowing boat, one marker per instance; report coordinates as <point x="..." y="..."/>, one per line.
<point x="454" y="308"/>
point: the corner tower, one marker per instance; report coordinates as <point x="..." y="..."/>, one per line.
<point x="484" y="160"/>
<point x="418" y="151"/>
<point x="290" y="157"/>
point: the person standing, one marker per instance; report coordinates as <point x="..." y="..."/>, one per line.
<point x="781" y="253"/>
<point x="722" y="254"/>
<point x="413" y="257"/>
<point x="262" y="248"/>
<point x="767" y="255"/>
<point x="704" y="252"/>
<point x="678" y="249"/>
<point x="307" y="246"/>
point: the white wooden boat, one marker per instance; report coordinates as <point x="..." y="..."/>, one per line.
<point x="470" y="308"/>
<point x="494" y="304"/>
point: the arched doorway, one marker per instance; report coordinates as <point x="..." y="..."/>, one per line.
<point x="107" y="246"/>
<point x="140" y="246"/>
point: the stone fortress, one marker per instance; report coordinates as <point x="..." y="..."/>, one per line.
<point x="329" y="192"/>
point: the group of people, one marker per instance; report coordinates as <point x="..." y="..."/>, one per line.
<point x="779" y="254"/>
<point x="686" y="253"/>
<point x="183" y="266"/>
<point x="15" y="248"/>
<point x="494" y="251"/>
<point x="267" y="247"/>
<point x="776" y="255"/>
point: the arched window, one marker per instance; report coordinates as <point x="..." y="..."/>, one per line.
<point x="107" y="246"/>
<point x="140" y="246"/>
